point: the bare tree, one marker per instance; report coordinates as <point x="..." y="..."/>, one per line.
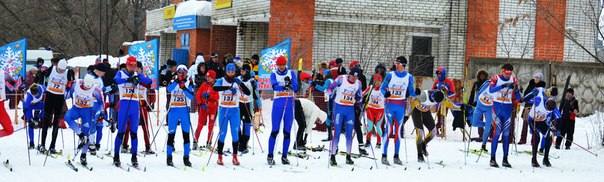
<point x="592" y="13"/>
<point x="74" y="27"/>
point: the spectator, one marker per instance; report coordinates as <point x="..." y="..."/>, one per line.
<point x="570" y="108"/>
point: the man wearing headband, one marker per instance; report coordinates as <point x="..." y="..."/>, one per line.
<point x="181" y="89"/>
<point x="128" y="81"/>
<point x="397" y="87"/>
<point x="347" y="97"/>
<point x="505" y="91"/>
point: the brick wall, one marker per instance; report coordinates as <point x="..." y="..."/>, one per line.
<point x="549" y="30"/>
<point x="198" y="41"/>
<point x="516" y="29"/>
<point x="483" y="19"/>
<point x="223" y="40"/>
<point x="293" y="19"/>
<point x="242" y="9"/>
<point x="252" y="37"/>
<point x="583" y="30"/>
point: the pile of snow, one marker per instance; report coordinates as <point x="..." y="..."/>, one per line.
<point x="572" y="165"/>
<point x="85" y="61"/>
<point x="197" y="8"/>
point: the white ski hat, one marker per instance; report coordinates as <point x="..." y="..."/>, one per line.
<point x="62" y="64"/>
<point x="182" y="68"/>
<point x="88" y="81"/>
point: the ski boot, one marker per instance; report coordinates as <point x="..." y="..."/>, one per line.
<point x="541" y="150"/>
<point x="349" y="160"/>
<point x="420" y="158"/>
<point x="378" y="145"/>
<point x="362" y="150"/>
<point x="493" y="163"/>
<point x="83" y="140"/>
<point x="397" y="160"/>
<point x="534" y="162"/>
<point x="116" y="160"/>
<point x="186" y="161"/>
<point x="194" y="146"/>
<point x="484" y="148"/>
<point x="148" y="150"/>
<point x="134" y="160"/>
<point x="169" y="161"/>
<point x="385" y="161"/>
<point x="270" y="160"/>
<point x="83" y="159"/>
<point x="567" y="148"/>
<point x="235" y="160"/>
<point x="244" y="151"/>
<point x="219" y="162"/>
<point x="31" y="146"/>
<point x="332" y="160"/>
<point x="284" y="160"/>
<point x="505" y="163"/>
<point x="546" y="162"/>
<point x="424" y="150"/>
<point x="52" y="151"/>
<point x="92" y="149"/>
<point x="367" y="144"/>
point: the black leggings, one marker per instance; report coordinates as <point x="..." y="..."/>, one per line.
<point x="542" y="129"/>
<point x="301" y="120"/>
<point x="421" y="119"/>
<point x="53" y="108"/>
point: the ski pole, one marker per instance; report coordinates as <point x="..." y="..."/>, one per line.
<point x="27" y="142"/>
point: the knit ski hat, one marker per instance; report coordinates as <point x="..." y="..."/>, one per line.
<point x="211" y="74"/>
<point x="131" y="61"/>
<point x="231" y="67"/>
<point x="281" y="60"/>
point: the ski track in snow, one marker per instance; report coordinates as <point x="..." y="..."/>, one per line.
<point x="574" y="164"/>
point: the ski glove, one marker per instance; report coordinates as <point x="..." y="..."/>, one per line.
<point x="508" y="85"/>
<point x="233" y="90"/>
<point x="205" y="95"/>
<point x="204" y="107"/>
<point x="387" y="94"/>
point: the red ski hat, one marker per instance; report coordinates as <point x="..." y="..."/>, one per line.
<point x="353" y="63"/>
<point x="377" y="77"/>
<point x="211" y="74"/>
<point x="131" y="61"/>
<point x="281" y="60"/>
<point x="332" y="64"/>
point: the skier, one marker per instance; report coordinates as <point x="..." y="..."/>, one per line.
<point x="34" y="100"/>
<point x="53" y="103"/>
<point x="128" y="81"/>
<point x="208" y="103"/>
<point x="537" y="81"/>
<point x="285" y="84"/>
<point x="84" y="92"/>
<point x="181" y="89"/>
<point x="484" y="109"/>
<point x="541" y="118"/>
<point x="422" y="116"/>
<point x="144" y="112"/>
<point x="375" y="110"/>
<point x="7" y="127"/>
<point x="97" y="132"/>
<point x="397" y="87"/>
<point x="347" y="97"/>
<point x="481" y="77"/>
<point x="329" y="77"/>
<point x="245" y="103"/>
<point x="228" y="110"/>
<point x="503" y="86"/>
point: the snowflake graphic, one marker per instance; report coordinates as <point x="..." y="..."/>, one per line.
<point x="270" y="57"/>
<point x="11" y="61"/>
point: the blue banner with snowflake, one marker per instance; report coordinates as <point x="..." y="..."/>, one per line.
<point x="268" y="64"/>
<point x="12" y="58"/>
<point x="148" y="54"/>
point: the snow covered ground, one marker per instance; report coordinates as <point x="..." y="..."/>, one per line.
<point x="574" y="164"/>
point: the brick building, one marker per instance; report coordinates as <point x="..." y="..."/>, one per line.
<point x="430" y="33"/>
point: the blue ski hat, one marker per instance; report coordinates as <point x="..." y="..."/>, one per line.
<point x="231" y="67"/>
